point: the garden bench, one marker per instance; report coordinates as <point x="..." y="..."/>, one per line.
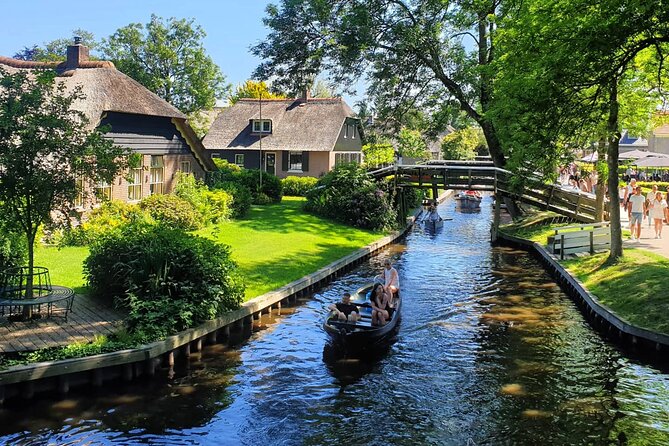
<point x="588" y="237"/>
<point x="57" y="295"/>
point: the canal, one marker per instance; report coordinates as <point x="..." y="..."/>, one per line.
<point x="489" y="352"/>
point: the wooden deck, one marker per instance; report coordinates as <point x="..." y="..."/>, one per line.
<point x="88" y="318"/>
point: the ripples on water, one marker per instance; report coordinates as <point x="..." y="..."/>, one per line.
<point x="489" y="351"/>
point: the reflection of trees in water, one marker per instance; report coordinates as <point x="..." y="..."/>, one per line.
<point x="553" y="378"/>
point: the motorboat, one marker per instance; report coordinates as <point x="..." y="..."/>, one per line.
<point x="469" y="199"/>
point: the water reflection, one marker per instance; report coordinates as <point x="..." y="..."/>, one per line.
<point x="490" y="351"/>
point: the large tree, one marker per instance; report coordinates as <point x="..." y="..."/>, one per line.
<point x="45" y="148"/>
<point x="253" y="90"/>
<point x="168" y="58"/>
<point x="56" y="50"/>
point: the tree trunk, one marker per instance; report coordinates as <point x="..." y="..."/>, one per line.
<point x="28" y="309"/>
<point x="614" y="208"/>
<point x="601" y="181"/>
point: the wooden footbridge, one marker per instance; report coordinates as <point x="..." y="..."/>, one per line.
<point x="484" y="176"/>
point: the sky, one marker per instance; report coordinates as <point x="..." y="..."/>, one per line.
<point x="232" y="26"/>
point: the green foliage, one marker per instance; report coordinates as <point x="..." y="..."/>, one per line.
<point x="172" y="211"/>
<point x="56" y="50"/>
<point x="167" y="280"/>
<point x="249" y="179"/>
<point x="213" y="205"/>
<point x="462" y="144"/>
<point x="662" y="186"/>
<point x="241" y="197"/>
<point x="254" y="90"/>
<point x="414" y="197"/>
<point x="346" y="194"/>
<point x="110" y="217"/>
<point x="13" y="250"/>
<point x="412" y="144"/>
<point x="378" y="153"/>
<point x="298" y="186"/>
<point x="168" y="58"/>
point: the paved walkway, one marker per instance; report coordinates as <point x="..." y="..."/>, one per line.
<point x="88" y="318"/>
<point x="647" y="240"/>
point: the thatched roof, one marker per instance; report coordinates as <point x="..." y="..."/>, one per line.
<point x="297" y="124"/>
<point x="106" y="89"/>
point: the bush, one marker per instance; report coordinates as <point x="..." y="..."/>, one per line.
<point x="348" y="195"/>
<point x="249" y="178"/>
<point x="167" y="280"/>
<point x="298" y="186"/>
<point x="241" y="197"/>
<point x="172" y="211"/>
<point x="13" y="250"/>
<point x="212" y="205"/>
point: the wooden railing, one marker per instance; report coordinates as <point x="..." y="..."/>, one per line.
<point x="483" y="176"/>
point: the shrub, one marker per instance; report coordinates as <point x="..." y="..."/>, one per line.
<point x="347" y="194"/>
<point x="249" y="178"/>
<point x="241" y="197"/>
<point x="212" y="205"/>
<point x="298" y="186"/>
<point x="172" y="211"/>
<point x="167" y="279"/>
<point x="13" y="250"/>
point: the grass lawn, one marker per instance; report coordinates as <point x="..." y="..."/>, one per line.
<point x="65" y="265"/>
<point x="635" y="287"/>
<point x="279" y="243"/>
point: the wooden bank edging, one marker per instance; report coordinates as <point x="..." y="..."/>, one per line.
<point x="25" y="380"/>
<point x="601" y="317"/>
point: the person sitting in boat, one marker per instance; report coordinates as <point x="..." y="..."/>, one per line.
<point x="390" y="278"/>
<point x="345" y="310"/>
<point x="432" y="214"/>
<point x="380" y="299"/>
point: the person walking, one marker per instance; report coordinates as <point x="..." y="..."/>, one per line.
<point x="636" y="209"/>
<point x="629" y="191"/>
<point x="657" y="210"/>
<point x="650" y="196"/>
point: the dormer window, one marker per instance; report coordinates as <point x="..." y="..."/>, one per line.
<point x="262" y="126"/>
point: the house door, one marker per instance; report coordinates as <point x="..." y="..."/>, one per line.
<point x="270" y="163"/>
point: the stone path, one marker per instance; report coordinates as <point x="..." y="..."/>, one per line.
<point x="647" y="240"/>
<point x="88" y="318"/>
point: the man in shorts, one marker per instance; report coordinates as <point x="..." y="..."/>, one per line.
<point x="345" y="310"/>
<point x="637" y="208"/>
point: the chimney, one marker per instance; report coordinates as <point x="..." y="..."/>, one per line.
<point x="76" y="54"/>
<point x="306" y="94"/>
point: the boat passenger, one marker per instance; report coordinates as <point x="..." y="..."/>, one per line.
<point x="380" y="299"/>
<point x="391" y="280"/>
<point x="345" y="310"/>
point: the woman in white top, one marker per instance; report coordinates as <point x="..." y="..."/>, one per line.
<point x="657" y="209"/>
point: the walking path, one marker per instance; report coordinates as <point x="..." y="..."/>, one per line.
<point x="647" y="240"/>
<point x="89" y="318"/>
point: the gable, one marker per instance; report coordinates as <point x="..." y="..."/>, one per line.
<point x="151" y="135"/>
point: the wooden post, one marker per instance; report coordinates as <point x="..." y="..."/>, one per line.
<point x="496" y="219"/>
<point x="150" y="367"/>
<point x="562" y="247"/>
<point x="278" y="308"/>
<point x="592" y="242"/>
<point x="170" y="359"/>
<point x="198" y="345"/>
<point x="187" y="350"/>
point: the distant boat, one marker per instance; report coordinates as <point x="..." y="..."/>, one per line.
<point x="470" y="199"/>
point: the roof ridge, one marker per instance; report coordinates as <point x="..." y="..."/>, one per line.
<point x="333" y="99"/>
<point x="17" y="63"/>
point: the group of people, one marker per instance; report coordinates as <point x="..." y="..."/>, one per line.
<point x="571" y="176"/>
<point x="653" y="206"/>
<point x="381" y="299"/>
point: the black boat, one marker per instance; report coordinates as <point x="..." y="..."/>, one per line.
<point x="362" y="334"/>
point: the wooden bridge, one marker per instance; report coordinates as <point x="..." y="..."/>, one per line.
<point x="484" y="176"/>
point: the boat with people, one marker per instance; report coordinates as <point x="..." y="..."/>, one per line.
<point x="362" y="334"/>
<point x="469" y="199"/>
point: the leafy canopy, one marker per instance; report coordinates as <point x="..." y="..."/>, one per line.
<point x="253" y="90"/>
<point x="168" y="58"/>
<point x="56" y="50"/>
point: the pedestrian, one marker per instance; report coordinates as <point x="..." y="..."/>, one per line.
<point x="636" y="209"/>
<point x="629" y="191"/>
<point x="650" y="196"/>
<point x="657" y="210"/>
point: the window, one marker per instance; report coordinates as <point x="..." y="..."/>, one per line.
<point x="103" y="191"/>
<point x="295" y="161"/>
<point x="135" y="184"/>
<point x="262" y="126"/>
<point x="239" y="159"/>
<point x="157" y="173"/>
<point x="79" y="199"/>
<point x="345" y="130"/>
<point x="185" y="167"/>
<point x="347" y="157"/>
<point x="352" y="132"/>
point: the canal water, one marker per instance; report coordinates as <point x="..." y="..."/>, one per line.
<point x="489" y="352"/>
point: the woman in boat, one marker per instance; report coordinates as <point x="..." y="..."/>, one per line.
<point x="380" y="305"/>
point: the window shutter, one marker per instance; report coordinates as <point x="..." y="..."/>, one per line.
<point x="285" y="155"/>
<point x="305" y="161"/>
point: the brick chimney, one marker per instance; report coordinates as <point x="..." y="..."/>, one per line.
<point x="76" y="54"/>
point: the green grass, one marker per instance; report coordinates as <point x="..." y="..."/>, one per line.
<point x="65" y="265"/>
<point x="635" y="287"/>
<point x="536" y="226"/>
<point x="280" y="243"/>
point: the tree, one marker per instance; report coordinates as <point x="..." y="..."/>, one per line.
<point x="321" y="90"/>
<point x="410" y="143"/>
<point x="254" y="90"/>
<point x="378" y="153"/>
<point x="44" y="148"/>
<point x="168" y="58"/>
<point x="462" y="144"/>
<point x="56" y="50"/>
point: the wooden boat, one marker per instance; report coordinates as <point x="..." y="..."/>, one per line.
<point x="362" y="334"/>
<point x="433" y="224"/>
<point x="470" y="199"/>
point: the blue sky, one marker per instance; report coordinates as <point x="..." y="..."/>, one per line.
<point x="232" y="26"/>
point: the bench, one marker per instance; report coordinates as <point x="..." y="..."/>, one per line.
<point x="57" y="295"/>
<point x="588" y="237"/>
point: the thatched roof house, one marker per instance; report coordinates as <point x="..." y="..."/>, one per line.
<point x="301" y="136"/>
<point x="139" y="119"/>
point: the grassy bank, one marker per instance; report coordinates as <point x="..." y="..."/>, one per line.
<point x="634" y="287"/>
<point x="275" y="245"/>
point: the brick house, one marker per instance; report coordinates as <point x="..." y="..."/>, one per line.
<point x="300" y="136"/>
<point x="139" y="120"/>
